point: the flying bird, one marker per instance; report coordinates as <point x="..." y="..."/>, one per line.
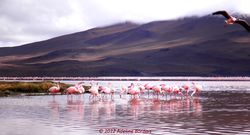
<point x="232" y="20"/>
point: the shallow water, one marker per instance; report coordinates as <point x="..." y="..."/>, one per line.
<point x="222" y="108"/>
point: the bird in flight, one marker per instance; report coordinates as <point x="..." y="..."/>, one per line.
<point x="232" y="20"/>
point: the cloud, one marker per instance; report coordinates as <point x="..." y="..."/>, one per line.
<point x="30" y="20"/>
<point x="27" y="21"/>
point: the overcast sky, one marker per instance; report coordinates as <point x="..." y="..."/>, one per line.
<point x="25" y="21"/>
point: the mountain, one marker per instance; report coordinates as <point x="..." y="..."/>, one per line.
<point x="192" y="46"/>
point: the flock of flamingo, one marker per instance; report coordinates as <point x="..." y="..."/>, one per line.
<point x="135" y="90"/>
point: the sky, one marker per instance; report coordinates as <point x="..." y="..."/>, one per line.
<point x="27" y="21"/>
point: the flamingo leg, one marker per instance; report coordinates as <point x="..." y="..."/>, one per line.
<point x="148" y="93"/>
<point x="193" y="93"/>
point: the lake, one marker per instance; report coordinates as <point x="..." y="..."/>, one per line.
<point x="223" y="107"/>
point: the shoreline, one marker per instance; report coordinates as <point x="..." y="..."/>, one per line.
<point x="27" y="88"/>
<point x="153" y="78"/>
<point x="33" y="88"/>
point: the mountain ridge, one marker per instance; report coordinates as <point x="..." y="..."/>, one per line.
<point x="192" y="46"/>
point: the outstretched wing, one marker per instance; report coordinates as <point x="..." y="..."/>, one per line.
<point x="243" y="23"/>
<point x="224" y="13"/>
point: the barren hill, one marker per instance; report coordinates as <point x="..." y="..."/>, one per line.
<point x="194" y="46"/>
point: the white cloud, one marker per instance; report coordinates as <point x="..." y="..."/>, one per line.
<point x="30" y="20"/>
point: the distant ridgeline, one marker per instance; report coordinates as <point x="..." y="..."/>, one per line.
<point x="195" y="46"/>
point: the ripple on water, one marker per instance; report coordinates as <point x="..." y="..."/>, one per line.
<point x="215" y="112"/>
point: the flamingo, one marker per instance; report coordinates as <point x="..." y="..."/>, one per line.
<point x="197" y="89"/>
<point x="134" y="90"/>
<point x="80" y="88"/>
<point x="71" y="90"/>
<point x="148" y="87"/>
<point x="166" y="88"/>
<point x="186" y="88"/>
<point x="142" y="88"/>
<point x="130" y="87"/>
<point x="112" y="89"/>
<point x="177" y="91"/>
<point x="54" y="89"/>
<point x="123" y="90"/>
<point x="77" y="89"/>
<point x="107" y="90"/>
<point x="157" y="90"/>
<point x="94" y="91"/>
<point x="232" y="20"/>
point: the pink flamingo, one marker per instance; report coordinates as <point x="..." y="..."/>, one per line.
<point x="123" y="90"/>
<point x="197" y="89"/>
<point x="232" y="20"/>
<point x="94" y="91"/>
<point x="112" y="89"/>
<point x="166" y="88"/>
<point x="177" y="91"/>
<point x="54" y="89"/>
<point x="157" y="90"/>
<point x="148" y="87"/>
<point x="186" y="88"/>
<point x="134" y="90"/>
<point x="71" y="90"/>
<point x="77" y="89"/>
<point x="81" y="89"/>
<point x="107" y="90"/>
<point x="142" y="88"/>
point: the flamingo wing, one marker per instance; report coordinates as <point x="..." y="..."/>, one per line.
<point x="82" y="89"/>
<point x="198" y="87"/>
<point x="243" y="23"/>
<point x="224" y="13"/>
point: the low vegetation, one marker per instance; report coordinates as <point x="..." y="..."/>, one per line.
<point x="7" y="88"/>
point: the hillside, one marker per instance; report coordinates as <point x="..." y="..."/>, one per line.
<point x="194" y="46"/>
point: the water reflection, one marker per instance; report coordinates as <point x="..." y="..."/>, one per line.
<point x="134" y="106"/>
<point x="54" y="107"/>
<point x="109" y="108"/>
<point x="212" y="113"/>
<point x="75" y="107"/>
<point x="96" y="111"/>
<point x="140" y="106"/>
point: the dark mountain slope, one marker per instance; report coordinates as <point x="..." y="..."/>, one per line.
<point x="196" y="46"/>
